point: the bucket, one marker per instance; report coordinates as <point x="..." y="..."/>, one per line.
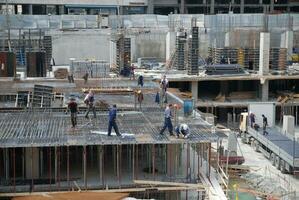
<point x="188" y="107"/>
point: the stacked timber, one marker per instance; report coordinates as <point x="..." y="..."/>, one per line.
<point x="242" y="95"/>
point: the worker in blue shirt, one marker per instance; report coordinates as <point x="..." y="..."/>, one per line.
<point x="112" y="122"/>
<point x="167" y="120"/>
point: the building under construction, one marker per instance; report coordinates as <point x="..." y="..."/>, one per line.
<point x="39" y="151"/>
<point x="216" y="65"/>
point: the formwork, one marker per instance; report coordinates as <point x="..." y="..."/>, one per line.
<point x="7" y="64"/>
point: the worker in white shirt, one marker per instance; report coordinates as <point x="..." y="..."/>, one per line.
<point x="182" y="129"/>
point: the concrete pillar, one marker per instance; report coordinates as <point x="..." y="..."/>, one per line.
<point x="224" y="88"/>
<point x="288" y="127"/>
<point x="61" y="10"/>
<point x="287" y="41"/>
<point x="194" y="90"/>
<point x="271" y="6"/>
<point x="264" y="90"/>
<point x="227" y="40"/>
<point x="182" y="7"/>
<point x="133" y="49"/>
<point x="212" y="8"/>
<point x="264" y="53"/>
<point x="55" y="164"/>
<point x="170" y="44"/>
<point x="150" y="6"/>
<point x="30" y="9"/>
<point x="32" y="162"/>
<point x="232" y="144"/>
<point x="112" y="54"/>
<point x="242" y="6"/>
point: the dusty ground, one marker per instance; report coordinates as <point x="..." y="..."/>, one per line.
<point x="76" y="196"/>
<point x="262" y="176"/>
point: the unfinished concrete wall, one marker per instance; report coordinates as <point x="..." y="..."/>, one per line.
<point x="150" y="45"/>
<point x="81" y="44"/>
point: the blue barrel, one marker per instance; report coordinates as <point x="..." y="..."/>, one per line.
<point x="188" y="107"/>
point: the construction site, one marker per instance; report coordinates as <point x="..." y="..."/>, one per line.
<point x="220" y="75"/>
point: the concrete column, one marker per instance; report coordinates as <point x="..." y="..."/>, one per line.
<point x="264" y="53"/>
<point x="150" y="6"/>
<point x="242" y="6"/>
<point x="271" y="6"/>
<point x="182" y="8"/>
<point x="287" y="41"/>
<point x="288" y="127"/>
<point x="212" y="7"/>
<point x="194" y="90"/>
<point x="112" y="54"/>
<point x="227" y="40"/>
<point x="61" y="10"/>
<point x="133" y="49"/>
<point x="30" y="10"/>
<point x="264" y="90"/>
<point x="32" y="162"/>
<point x="265" y="9"/>
<point x="224" y="88"/>
<point x="170" y="44"/>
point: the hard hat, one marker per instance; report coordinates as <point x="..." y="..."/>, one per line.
<point x="184" y="126"/>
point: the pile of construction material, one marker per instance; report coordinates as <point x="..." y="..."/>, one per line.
<point x="284" y="97"/>
<point x="223" y="69"/>
<point x="240" y="95"/>
<point x="61" y="73"/>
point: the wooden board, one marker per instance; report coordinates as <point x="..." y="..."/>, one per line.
<point x="75" y="196"/>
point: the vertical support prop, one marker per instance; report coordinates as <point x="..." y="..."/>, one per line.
<point x="50" y="168"/>
<point x="153" y="160"/>
<point x="68" y="166"/>
<point x="84" y="167"/>
<point x="14" y="170"/>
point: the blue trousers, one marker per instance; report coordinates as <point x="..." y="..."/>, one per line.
<point x="167" y="124"/>
<point x="114" y="125"/>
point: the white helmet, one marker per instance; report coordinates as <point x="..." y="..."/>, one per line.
<point x="184" y="126"/>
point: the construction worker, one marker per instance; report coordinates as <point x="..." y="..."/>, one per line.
<point x="132" y="72"/>
<point x="167" y="120"/>
<point x="157" y="98"/>
<point x="140" y="80"/>
<point x="112" y="121"/>
<point x="85" y="77"/>
<point x="73" y="107"/>
<point x="164" y="83"/>
<point x="252" y="119"/>
<point x="182" y="129"/>
<point x="89" y="101"/>
<point x="265" y="124"/>
<point x="139" y="96"/>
